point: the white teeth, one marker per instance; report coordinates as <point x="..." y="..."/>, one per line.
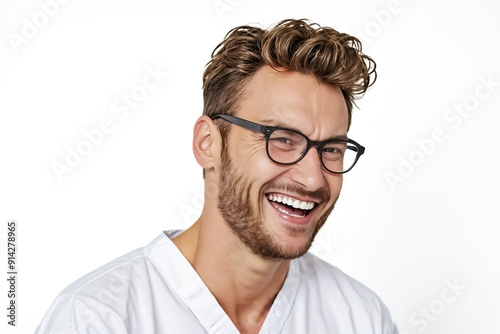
<point x="295" y="203"/>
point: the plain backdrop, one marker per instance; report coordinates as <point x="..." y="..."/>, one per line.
<point x="418" y="217"/>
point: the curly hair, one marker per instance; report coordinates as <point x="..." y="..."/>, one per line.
<point x="334" y="58"/>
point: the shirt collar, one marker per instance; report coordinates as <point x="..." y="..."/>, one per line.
<point x="185" y="281"/>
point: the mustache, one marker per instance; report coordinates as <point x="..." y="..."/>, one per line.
<point x="321" y="194"/>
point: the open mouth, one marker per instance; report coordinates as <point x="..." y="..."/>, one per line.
<point x="289" y="205"/>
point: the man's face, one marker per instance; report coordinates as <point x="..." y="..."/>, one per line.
<point x="252" y="188"/>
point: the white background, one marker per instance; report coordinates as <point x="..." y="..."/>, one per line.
<point x="434" y="224"/>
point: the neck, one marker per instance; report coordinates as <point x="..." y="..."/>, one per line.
<point x="244" y="284"/>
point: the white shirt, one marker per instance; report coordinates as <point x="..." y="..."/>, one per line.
<point x="154" y="289"/>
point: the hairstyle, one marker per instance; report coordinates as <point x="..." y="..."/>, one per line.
<point x="333" y="58"/>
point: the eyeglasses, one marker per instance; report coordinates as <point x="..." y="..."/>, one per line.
<point x="287" y="147"/>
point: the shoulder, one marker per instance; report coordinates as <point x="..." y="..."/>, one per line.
<point x="98" y="301"/>
<point x="87" y="305"/>
<point x="331" y="288"/>
<point x="315" y="270"/>
<point x="115" y="275"/>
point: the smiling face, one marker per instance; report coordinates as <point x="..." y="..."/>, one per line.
<point x="276" y="210"/>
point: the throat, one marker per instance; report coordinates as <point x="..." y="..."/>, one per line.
<point x="247" y="303"/>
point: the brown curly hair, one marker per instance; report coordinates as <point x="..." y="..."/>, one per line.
<point x="333" y="58"/>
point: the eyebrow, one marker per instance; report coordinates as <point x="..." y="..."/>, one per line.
<point x="279" y="124"/>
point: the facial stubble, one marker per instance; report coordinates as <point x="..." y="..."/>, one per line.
<point x="235" y="205"/>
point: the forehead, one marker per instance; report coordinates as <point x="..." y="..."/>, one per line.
<point x="295" y="100"/>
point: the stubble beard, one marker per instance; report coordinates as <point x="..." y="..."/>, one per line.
<point x="235" y="206"/>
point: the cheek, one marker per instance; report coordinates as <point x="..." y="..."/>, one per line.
<point x="244" y="146"/>
<point x="260" y="169"/>
<point x="256" y="168"/>
<point x="335" y="185"/>
<point x="249" y="154"/>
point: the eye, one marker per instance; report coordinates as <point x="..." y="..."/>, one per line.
<point x="283" y="140"/>
<point x="287" y="140"/>
<point x="334" y="150"/>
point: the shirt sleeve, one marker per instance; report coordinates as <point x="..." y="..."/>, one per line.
<point x="72" y="314"/>
<point x="389" y="327"/>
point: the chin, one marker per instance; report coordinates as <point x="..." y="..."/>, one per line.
<point x="287" y="245"/>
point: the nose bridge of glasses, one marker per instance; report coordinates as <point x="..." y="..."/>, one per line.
<point x="314" y="143"/>
<point x="320" y="147"/>
<point x="310" y="145"/>
<point x="310" y="167"/>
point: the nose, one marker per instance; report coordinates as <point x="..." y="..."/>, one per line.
<point x="309" y="171"/>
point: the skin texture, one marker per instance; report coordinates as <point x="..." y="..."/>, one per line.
<point x="241" y="245"/>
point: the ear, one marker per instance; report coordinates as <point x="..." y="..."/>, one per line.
<point x="206" y="142"/>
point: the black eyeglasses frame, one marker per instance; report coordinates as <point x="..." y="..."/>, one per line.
<point x="268" y="130"/>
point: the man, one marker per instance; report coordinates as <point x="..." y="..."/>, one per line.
<point x="273" y="145"/>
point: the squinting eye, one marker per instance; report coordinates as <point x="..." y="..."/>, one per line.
<point x="332" y="150"/>
<point x="283" y="140"/>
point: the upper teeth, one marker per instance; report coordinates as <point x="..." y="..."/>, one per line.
<point x="295" y="203"/>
